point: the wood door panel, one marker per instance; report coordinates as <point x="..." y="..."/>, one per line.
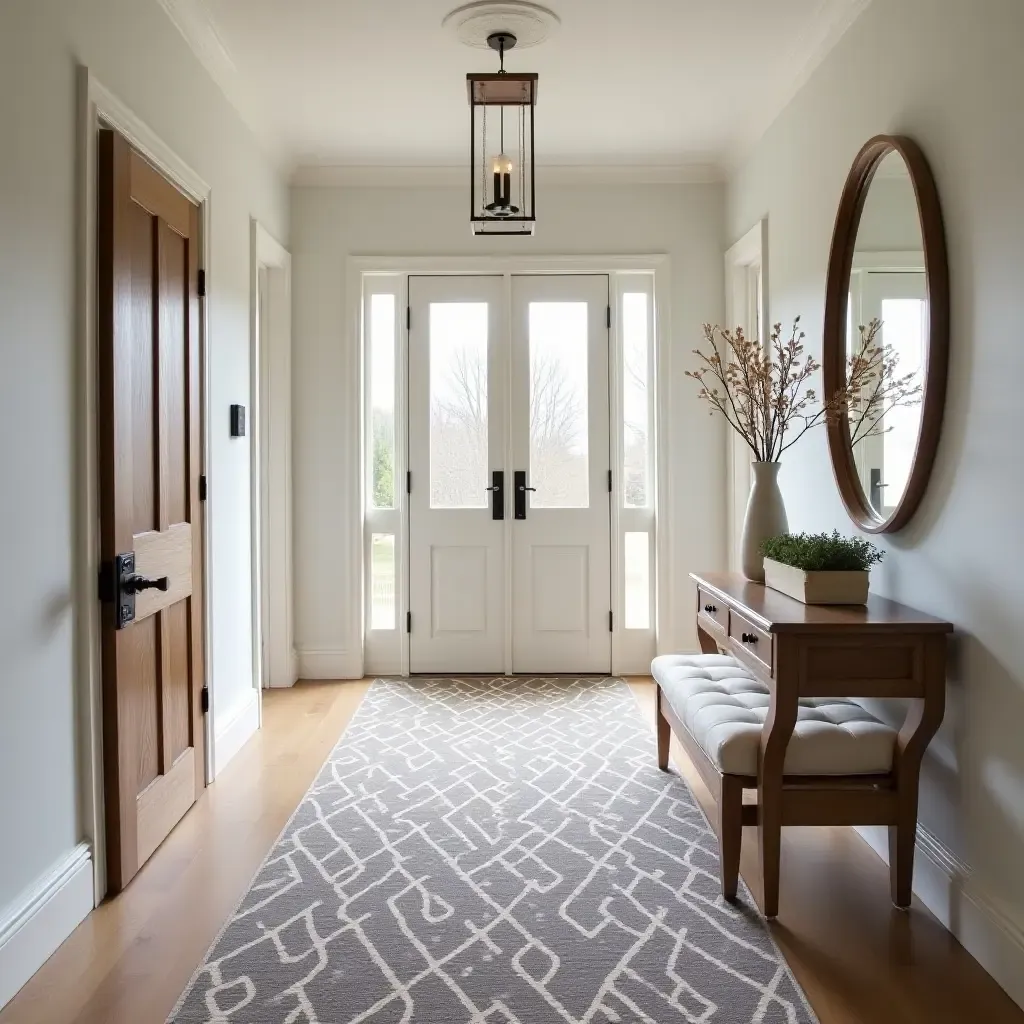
<point x="143" y="344"/>
<point x="147" y="268"/>
<point x="172" y="376"/>
<point x="164" y="553"/>
<point x="176" y="712"/>
<point x="164" y="802"/>
<point x="152" y="192"/>
<point x="140" y="649"/>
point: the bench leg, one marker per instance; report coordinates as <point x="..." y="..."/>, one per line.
<point x="730" y="834"/>
<point x="902" y="838"/>
<point x="664" y="733"/>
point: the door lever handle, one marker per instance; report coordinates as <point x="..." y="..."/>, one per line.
<point x="523" y="487"/>
<point x="135" y="583"/>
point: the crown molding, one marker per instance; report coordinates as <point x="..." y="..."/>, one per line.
<point x="820" y="36"/>
<point x="196" y="25"/>
<point x="366" y="176"/>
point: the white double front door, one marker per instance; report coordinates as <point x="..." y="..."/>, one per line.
<point x="509" y="553"/>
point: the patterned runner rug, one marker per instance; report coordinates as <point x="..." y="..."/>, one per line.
<point x="494" y="851"/>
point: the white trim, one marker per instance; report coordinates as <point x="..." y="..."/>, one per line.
<point x="274" y="659"/>
<point x="898" y="261"/>
<point x="746" y="276"/>
<point x="239" y="728"/>
<point x="498" y="265"/>
<point x="193" y="19"/>
<point x="365" y="176"/>
<point x="316" y="664"/>
<point x="980" y="921"/>
<point x="329" y="663"/>
<point x="97" y="104"/>
<point x="42" y="918"/>
<point x="809" y="49"/>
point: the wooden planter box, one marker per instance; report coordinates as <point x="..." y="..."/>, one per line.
<point x="848" y="587"/>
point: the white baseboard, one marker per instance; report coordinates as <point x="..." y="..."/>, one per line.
<point x="949" y="889"/>
<point x="329" y="664"/>
<point x="42" y="918"/>
<point x="230" y="737"/>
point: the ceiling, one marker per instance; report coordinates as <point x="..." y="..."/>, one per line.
<point x="652" y="86"/>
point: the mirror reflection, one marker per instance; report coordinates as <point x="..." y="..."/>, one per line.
<point x="887" y="336"/>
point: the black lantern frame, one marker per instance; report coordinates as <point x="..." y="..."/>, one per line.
<point x="502" y="190"/>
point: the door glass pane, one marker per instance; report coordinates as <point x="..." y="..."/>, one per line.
<point x="634" y="399"/>
<point x="382" y="400"/>
<point x="559" y="467"/>
<point x="458" y="405"/>
<point x="638" y="581"/>
<point x="382" y="580"/>
<point x="903" y="326"/>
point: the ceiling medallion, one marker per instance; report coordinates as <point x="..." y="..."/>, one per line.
<point x="501" y="144"/>
<point x="474" y="23"/>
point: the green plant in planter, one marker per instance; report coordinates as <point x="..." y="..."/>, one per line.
<point x="822" y="552"/>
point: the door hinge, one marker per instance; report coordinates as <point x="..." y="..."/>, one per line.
<point x="408" y="622"/>
<point x="609" y="318"/>
<point x="408" y="481"/>
<point x="204" y="699"/>
<point x="201" y="284"/>
<point x="611" y="622"/>
<point x="408" y="318"/>
<point x="202" y="487"/>
<point x="609" y="481"/>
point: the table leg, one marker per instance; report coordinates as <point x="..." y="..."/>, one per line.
<point x="922" y="722"/>
<point x="706" y="641"/>
<point x="775" y="736"/>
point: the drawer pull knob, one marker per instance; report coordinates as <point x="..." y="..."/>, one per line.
<point x="749" y="638"/>
<point x="710" y="608"/>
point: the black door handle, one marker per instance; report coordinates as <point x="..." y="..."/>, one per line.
<point x="135" y="584"/>
<point x="497" y="490"/>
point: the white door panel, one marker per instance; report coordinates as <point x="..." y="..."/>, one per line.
<point x="457" y="411"/>
<point x="561" y="534"/>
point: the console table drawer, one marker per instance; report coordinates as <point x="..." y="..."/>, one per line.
<point x="713" y="608"/>
<point x="750" y="642"/>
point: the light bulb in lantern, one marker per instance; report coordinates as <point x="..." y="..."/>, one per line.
<point x="502" y="164"/>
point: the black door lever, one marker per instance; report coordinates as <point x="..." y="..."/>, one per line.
<point x="135" y="584"/>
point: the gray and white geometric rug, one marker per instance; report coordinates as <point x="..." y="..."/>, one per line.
<point x="494" y="851"/>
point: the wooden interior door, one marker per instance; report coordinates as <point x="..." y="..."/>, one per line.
<point x="151" y="535"/>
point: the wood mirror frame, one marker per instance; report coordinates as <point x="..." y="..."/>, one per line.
<point x="834" y="340"/>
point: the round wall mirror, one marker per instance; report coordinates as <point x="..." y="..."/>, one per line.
<point x="886" y="335"/>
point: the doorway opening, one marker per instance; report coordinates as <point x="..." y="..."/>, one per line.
<point x="510" y="485"/>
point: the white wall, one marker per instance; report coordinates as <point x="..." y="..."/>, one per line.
<point x="134" y="50"/>
<point x="329" y="224"/>
<point x="950" y="75"/>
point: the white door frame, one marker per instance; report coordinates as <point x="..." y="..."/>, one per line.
<point x="98" y="106"/>
<point x="746" y="306"/>
<point x="273" y="631"/>
<point x="361" y="267"/>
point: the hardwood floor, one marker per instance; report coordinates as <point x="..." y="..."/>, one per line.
<point x="860" y="960"/>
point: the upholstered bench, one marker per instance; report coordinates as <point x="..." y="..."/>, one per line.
<point x="717" y="711"/>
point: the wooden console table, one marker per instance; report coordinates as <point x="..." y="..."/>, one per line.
<point x="882" y="649"/>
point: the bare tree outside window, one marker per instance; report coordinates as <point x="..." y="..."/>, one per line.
<point x="458" y="405"/>
<point x="559" y="463"/>
<point x="635" y="399"/>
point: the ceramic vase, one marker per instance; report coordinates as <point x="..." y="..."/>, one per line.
<point x="766" y="517"/>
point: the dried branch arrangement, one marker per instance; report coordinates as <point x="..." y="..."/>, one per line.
<point x="765" y="398"/>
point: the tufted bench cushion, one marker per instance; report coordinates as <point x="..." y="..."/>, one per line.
<point x="724" y="709"/>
